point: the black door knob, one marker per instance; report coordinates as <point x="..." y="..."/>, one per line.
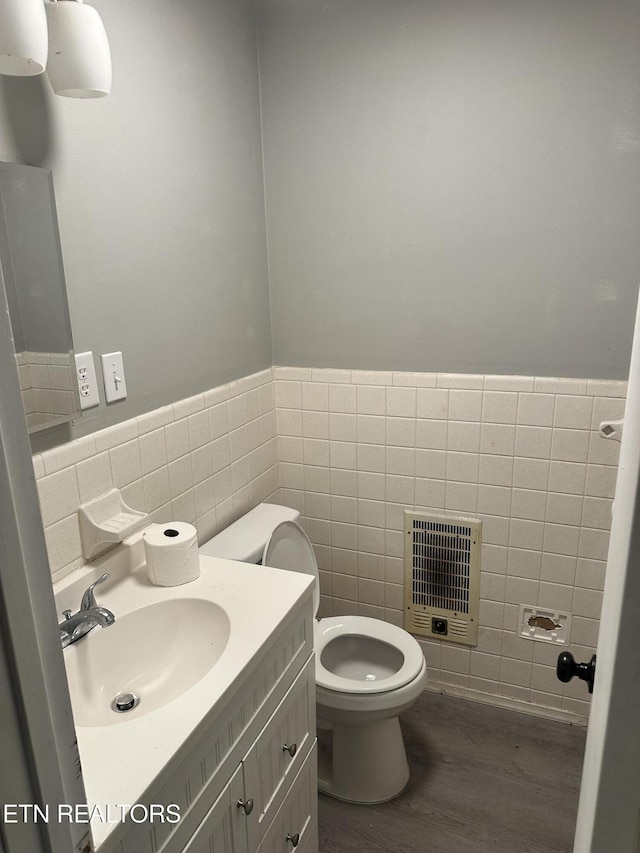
<point x="567" y="667"/>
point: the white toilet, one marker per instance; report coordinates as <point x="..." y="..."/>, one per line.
<point x="367" y="671"/>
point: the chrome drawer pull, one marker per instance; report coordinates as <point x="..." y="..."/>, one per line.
<point x="293" y="839"/>
<point x="291" y="750"/>
<point x="246" y="806"/>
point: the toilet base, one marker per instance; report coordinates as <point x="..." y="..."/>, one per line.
<point x="362" y="763"/>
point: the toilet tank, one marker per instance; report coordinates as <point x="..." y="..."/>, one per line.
<point x="245" y="539"/>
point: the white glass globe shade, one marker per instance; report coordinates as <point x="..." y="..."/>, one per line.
<point x="23" y="37"/>
<point x="79" y="64"/>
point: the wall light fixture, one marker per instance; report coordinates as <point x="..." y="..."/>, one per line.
<point x="79" y="64"/>
<point x="67" y="37"/>
<point x="23" y="37"/>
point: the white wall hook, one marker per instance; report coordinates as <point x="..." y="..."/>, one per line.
<point x="612" y="429"/>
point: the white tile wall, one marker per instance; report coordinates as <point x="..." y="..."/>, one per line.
<point x="522" y="453"/>
<point x="205" y="460"/>
<point x="46" y="382"/>
<point x="351" y="450"/>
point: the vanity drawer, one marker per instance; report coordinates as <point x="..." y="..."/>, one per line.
<point x="297" y="818"/>
<point x="280" y="751"/>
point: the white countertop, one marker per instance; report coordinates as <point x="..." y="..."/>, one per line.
<point x="120" y="761"/>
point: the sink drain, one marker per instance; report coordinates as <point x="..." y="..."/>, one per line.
<point x="125" y="702"/>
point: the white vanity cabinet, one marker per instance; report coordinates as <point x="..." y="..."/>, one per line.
<point x="268" y="800"/>
<point x="247" y="781"/>
<point x="294" y="826"/>
<point x="278" y="754"/>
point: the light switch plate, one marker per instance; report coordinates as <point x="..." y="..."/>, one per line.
<point x="86" y="379"/>
<point x="115" y="386"/>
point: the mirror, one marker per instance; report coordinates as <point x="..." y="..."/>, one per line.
<point x="33" y="274"/>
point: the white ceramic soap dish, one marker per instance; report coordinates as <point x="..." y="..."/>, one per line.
<point x="106" y="521"/>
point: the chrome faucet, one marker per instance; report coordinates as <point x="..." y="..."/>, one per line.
<point x="89" y="616"/>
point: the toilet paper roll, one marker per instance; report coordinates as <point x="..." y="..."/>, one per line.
<point x="171" y="551"/>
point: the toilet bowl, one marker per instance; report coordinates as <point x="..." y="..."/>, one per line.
<point x="367" y="671"/>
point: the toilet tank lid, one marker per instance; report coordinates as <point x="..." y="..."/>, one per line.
<point x="245" y="539"/>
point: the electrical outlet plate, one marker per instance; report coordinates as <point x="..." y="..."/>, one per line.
<point x="86" y="379"/>
<point x="115" y="387"/>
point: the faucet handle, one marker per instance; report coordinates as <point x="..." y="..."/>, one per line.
<point x="66" y="614"/>
<point x="88" y="599"/>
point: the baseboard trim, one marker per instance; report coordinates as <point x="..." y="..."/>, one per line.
<point x="510" y="704"/>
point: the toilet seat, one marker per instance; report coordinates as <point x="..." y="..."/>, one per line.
<point x="334" y="627"/>
<point x="289" y="548"/>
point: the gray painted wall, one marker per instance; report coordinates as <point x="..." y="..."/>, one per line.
<point x="160" y="198"/>
<point x="453" y="185"/>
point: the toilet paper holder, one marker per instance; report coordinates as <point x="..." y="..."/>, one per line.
<point x="106" y="521"/>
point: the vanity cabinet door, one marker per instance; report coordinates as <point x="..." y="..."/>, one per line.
<point x="224" y="829"/>
<point x="280" y="751"/>
<point x="295" y="826"/>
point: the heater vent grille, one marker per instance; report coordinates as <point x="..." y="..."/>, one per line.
<point x="442" y="576"/>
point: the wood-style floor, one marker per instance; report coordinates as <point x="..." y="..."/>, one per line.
<point x="483" y="780"/>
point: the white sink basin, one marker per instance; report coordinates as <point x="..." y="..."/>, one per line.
<point x="158" y="651"/>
